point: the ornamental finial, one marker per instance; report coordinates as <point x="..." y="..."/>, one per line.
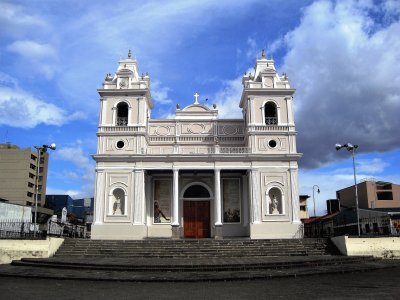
<point x="129" y="53"/>
<point x="262" y="53"/>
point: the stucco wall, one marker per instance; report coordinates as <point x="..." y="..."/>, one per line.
<point x="387" y="247"/>
<point x="16" y="249"/>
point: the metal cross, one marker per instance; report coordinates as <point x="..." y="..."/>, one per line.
<point x="196" y="96"/>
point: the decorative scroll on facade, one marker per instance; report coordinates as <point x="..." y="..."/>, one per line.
<point x="231" y="200"/>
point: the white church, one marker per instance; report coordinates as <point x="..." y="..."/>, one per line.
<point x="195" y="175"/>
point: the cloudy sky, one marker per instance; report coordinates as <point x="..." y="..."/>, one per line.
<point x="343" y="57"/>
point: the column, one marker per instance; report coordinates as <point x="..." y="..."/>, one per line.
<point x="175" y="204"/>
<point x="246" y="202"/>
<point x="295" y="195"/>
<point x="139" y="197"/>
<point x="99" y="200"/>
<point x="255" y="196"/>
<point x="289" y="108"/>
<point x="217" y="203"/>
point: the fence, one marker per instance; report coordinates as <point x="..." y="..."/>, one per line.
<point x="368" y="227"/>
<point x="11" y="229"/>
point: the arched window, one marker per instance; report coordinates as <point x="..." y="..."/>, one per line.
<point x="196" y="191"/>
<point x="118" y="204"/>
<point x="271" y="115"/>
<point x="122" y="114"/>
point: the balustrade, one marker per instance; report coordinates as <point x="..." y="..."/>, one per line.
<point x="184" y="150"/>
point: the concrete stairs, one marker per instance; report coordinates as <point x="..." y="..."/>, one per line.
<point x="166" y="248"/>
<point x="189" y="260"/>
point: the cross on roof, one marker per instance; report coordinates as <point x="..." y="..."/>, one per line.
<point x="196" y="96"/>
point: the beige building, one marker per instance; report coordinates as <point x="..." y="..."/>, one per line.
<point x="304" y="207"/>
<point x="18" y="175"/>
<point x="371" y="194"/>
<point x="196" y="175"/>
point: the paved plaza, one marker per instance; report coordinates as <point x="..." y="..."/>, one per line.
<point x="378" y="284"/>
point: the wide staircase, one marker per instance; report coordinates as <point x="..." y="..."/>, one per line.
<point x="167" y="248"/>
<point x="190" y="260"/>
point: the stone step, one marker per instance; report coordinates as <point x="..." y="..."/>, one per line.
<point x="156" y="270"/>
<point x="192" y="248"/>
<point x="182" y="265"/>
<point x="75" y="249"/>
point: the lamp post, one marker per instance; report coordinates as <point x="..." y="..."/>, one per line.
<point x="351" y="148"/>
<point x="39" y="150"/>
<point x="313" y="197"/>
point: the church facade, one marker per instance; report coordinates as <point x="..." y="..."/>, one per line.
<point x="196" y="175"/>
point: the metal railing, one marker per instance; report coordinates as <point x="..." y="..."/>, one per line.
<point x="122" y="121"/>
<point x="11" y="229"/>
<point x="271" y="121"/>
<point x="368" y="227"/>
<point x="15" y="229"/>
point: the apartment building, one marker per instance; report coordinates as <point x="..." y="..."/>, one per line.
<point x="18" y="171"/>
<point x="371" y="194"/>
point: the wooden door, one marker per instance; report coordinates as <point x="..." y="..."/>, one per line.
<point x="196" y="219"/>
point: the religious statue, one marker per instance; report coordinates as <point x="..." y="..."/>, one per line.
<point x="274" y="205"/>
<point x="117" y="206"/>
<point x="158" y="213"/>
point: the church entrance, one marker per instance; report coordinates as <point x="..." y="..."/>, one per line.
<point x="196" y="216"/>
<point x="196" y="212"/>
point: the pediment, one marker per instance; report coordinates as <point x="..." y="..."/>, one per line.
<point x="268" y="70"/>
<point x="196" y="108"/>
<point x="124" y="72"/>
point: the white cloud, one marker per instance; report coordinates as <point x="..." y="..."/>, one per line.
<point x="345" y="66"/>
<point x="76" y="155"/>
<point x="228" y="98"/>
<point x="71" y="175"/>
<point x="371" y="166"/>
<point x="40" y="57"/>
<point x="159" y="93"/>
<point x="16" y="21"/>
<point x="23" y="110"/>
<point x="32" y="49"/>
<point x="252" y="48"/>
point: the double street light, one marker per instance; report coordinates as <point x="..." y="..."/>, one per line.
<point x="351" y="148"/>
<point x="39" y="149"/>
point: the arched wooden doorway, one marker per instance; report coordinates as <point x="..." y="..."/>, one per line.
<point x="196" y="212"/>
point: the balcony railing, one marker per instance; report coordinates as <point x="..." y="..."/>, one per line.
<point x="266" y="128"/>
<point x="122" y="129"/>
<point x="271" y="121"/>
<point x="122" y="121"/>
<point x="196" y="150"/>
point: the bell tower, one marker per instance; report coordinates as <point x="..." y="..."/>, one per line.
<point x="267" y="108"/>
<point x="125" y="108"/>
<point x="270" y="135"/>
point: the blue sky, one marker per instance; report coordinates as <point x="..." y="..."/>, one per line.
<point x="341" y="56"/>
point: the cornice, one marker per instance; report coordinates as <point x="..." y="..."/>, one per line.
<point x="264" y="92"/>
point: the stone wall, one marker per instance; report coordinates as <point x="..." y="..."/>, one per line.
<point x="386" y="247"/>
<point x="16" y="249"/>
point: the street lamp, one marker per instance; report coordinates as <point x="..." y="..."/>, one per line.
<point x="39" y="150"/>
<point x="352" y="149"/>
<point x="313" y="197"/>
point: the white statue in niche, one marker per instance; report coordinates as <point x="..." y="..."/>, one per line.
<point x="117" y="206"/>
<point x="274" y="205"/>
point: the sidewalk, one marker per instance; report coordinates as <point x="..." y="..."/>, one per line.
<point x="378" y="284"/>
